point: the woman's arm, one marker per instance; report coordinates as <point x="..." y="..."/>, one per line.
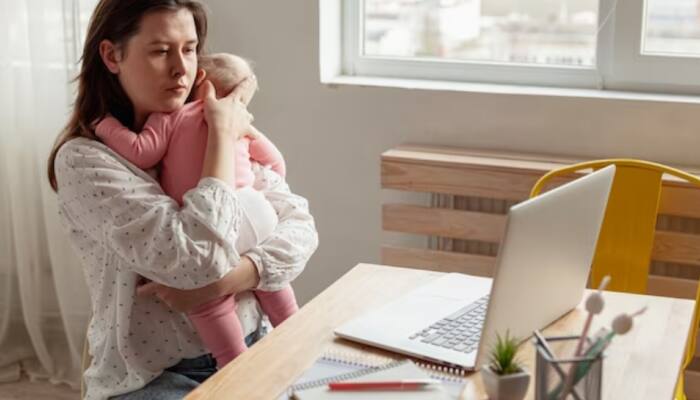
<point x="279" y="259"/>
<point x="243" y="277"/>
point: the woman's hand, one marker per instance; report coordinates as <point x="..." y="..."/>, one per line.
<point x="228" y="117"/>
<point x="243" y="277"/>
<point x="227" y="120"/>
<point x="180" y="300"/>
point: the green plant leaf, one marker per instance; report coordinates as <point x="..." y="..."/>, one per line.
<point x="502" y="356"/>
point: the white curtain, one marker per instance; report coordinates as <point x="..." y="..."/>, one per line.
<point x="44" y="303"/>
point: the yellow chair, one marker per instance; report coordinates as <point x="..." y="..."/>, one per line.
<point x="627" y="236"/>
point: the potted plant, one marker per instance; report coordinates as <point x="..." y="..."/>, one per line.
<point x="504" y="376"/>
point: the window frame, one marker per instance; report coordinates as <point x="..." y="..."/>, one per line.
<point x="618" y="66"/>
<point x="629" y="69"/>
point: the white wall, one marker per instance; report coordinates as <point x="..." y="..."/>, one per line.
<point x="332" y="137"/>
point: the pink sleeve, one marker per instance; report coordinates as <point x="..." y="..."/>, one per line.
<point x="143" y="149"/>
<point x="265" y="152"/>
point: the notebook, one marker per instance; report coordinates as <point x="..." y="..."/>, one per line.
<point x="393" y="371"/>
<point x="341" y="366"/>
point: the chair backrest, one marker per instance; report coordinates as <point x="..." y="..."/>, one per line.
<point x="626" y="241"/>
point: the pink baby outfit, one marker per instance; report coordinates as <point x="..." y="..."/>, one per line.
<point x="179" y="140"/>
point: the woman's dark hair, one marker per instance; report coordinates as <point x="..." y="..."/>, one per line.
<point x="99" y="91"/>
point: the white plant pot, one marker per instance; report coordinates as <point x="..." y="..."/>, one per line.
<point x="505" y="387"/>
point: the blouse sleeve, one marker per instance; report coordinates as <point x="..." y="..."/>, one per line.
<point x="127" y="212"/>
<point x="282" y="256"/>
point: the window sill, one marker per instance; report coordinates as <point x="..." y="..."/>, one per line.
<point x="516" y="90"/>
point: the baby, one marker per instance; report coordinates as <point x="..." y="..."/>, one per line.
<point x="178" y="140"/>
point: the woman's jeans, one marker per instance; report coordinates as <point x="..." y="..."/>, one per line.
<point x="177" y="381"/>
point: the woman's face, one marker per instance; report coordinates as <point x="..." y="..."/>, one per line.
<point x="157" y="66"/>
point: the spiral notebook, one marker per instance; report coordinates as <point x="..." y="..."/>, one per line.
<point x="339" y="367"/>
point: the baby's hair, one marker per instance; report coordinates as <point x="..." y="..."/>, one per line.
<point x="225" y="70"/>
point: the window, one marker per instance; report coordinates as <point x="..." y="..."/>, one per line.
<point x="672" y="27"/>
<point x="616" y="44"/>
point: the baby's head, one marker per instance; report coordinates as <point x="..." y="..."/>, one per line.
<point x="225" y="71"/>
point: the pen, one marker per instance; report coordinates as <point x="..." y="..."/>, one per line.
<point x="404" y="384"/>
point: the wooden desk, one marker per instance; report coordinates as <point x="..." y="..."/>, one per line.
<point x="641" y="365"/>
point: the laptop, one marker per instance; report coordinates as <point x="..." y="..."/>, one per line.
<point x="541" y="273"/>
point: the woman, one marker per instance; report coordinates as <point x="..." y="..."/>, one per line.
<point x="140" y="57"/>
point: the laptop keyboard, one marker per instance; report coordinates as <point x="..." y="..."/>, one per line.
<point x="459" y="331"/>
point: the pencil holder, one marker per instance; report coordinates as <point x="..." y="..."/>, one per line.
<point x="555" y="363"/>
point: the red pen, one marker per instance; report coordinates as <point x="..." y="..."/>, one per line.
<point x="404" y="384"/>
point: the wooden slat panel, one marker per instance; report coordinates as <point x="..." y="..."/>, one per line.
<point x="672" y="287"/>
<point x="671" y="247"/>
<point x="434" y="260"/>
<point x="500" y="175"/>
<point x="443" y="222"/>
<point x="456" y="157"/>
<point x="477" y="182"/>
<point x="495" y="160"/>
<point x="676" y="247"/>
<point x="680" y="200"/>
